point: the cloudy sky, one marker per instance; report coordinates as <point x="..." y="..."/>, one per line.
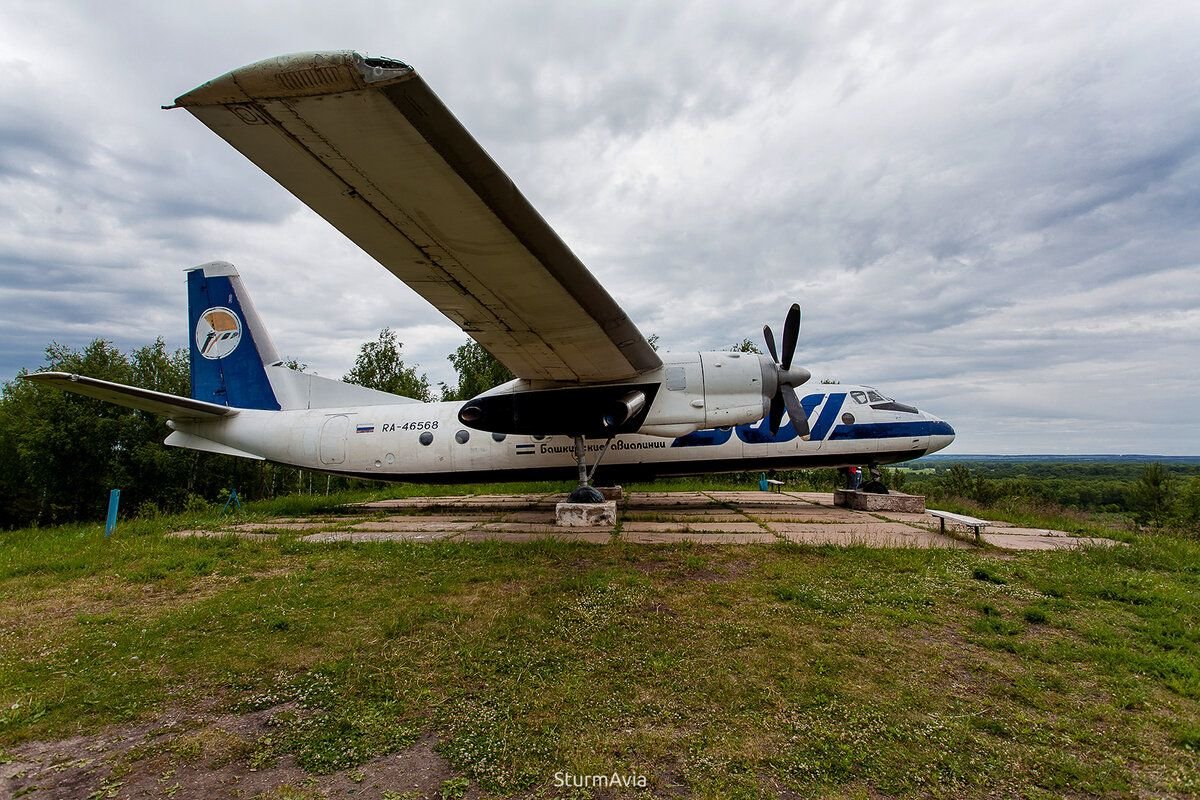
<point x="991" y="211"/>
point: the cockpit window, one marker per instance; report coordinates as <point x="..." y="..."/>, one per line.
<point x="876" y="397"/>
<point x="859" y="397"/>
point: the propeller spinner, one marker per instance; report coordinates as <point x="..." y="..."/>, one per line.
<point x="787" y="378"/>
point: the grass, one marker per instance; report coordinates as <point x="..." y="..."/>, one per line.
<point x="729" y="671"/>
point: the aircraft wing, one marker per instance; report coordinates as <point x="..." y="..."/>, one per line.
<point x="367" y="145"/>
<point x="161" y="403"/>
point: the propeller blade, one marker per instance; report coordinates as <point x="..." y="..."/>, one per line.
<point x="794" y="409"/>
<point x="770" y="337"/>
<point x="776" y="413"/>
<point x="791" y="332"/>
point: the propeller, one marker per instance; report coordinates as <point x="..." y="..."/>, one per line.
<point x="787" y="378"/>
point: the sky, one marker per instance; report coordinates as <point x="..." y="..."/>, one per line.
<point x="987" y="210"/>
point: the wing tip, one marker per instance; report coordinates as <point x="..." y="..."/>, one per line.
<point x="297" y="75"/>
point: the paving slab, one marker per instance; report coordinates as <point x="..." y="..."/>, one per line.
<point x="754" y="498"/>
<point x="669" y="500"/>
<point x="448" y="516"/>
<point x="407" y="502"/>
<point x="817" y="498"/>
<point x="902" y="516"/>
<point x="644" y="526"/>
<point x="289" y="526"/>
<point x="684" y="516"/>
<point x="222" y="534"/>
<point x="663" y="537"/>
<point x="864" y="536"/>
<point x="815" y="517"/>
<point x="378" y="536"/>
<point x="536" y="527"/>
<point x="413" y="524"/>
<point x="1040" y="539"/>
<point x="725" y="527"/>
<point x="542" y="516"/>
<point x="560" y="534"/>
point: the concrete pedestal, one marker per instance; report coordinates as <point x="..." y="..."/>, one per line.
<point x="615" y="493"/>
<point x="586" y="515"/>
<point x="869" y="501"/>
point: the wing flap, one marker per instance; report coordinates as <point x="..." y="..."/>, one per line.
<point x="161" y="403"/>
<point x="373" y="151"/>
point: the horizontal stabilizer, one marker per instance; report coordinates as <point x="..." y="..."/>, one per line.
<point x="192" y="442"/>
<point x="161" y="403"/>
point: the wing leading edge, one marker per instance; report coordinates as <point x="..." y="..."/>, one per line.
<point x="368" y="146"/>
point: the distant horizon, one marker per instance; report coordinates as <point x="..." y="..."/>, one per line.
<point x="1112" y="456"/>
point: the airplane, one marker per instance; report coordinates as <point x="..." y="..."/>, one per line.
<point x="368" y="145"/>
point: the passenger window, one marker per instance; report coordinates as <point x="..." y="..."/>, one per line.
<point x="462" y="437"/>
<point x="425" y="438"/>
<point x="859" y="397"/>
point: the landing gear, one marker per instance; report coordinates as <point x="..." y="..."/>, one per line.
<point x="875" y="485"/>
<point x="586" y="493"/>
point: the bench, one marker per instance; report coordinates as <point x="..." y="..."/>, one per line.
<point x="962" y="519"/>
<point x="766" y="484"/>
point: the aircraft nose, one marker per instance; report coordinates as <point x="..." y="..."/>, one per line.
<point x="940" y="434"/>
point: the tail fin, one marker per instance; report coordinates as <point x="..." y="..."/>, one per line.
<point x="229" y="348"/>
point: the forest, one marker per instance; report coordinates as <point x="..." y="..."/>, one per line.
<point x="61" y="453"/>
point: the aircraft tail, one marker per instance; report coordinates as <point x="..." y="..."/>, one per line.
<point x="230" y="347"/>
<point x="234" y="362"/>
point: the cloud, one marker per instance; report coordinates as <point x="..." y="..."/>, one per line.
<point x="987" y="209"/>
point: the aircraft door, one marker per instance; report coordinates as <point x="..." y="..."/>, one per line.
<point x="334" y="432"/>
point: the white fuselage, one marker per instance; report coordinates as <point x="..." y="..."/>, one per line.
<point x="426" y="442"/>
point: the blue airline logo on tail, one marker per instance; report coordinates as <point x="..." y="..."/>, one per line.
<point x="223" y="371"/>
<point x="218" y="333"/>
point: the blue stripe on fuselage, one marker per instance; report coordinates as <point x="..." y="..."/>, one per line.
<point x="828" y="416"/>
<point x="705" y="438"/>
<point x="883" y="430"/>
<point x="759" y="433"/>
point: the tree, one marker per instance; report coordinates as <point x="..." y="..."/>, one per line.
<point x="745" y="346"/>
<point x="478" y="370"/>
<point x="380" y="366"/>
<point x="61" y="452"/>
<point x="1189" y="505"/>
<point x="1152" y="495"/>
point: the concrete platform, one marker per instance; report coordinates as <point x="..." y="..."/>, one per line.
<point x="726" y="518"/>
<point x="870" y="501"/>
<point x="585" y="515"/>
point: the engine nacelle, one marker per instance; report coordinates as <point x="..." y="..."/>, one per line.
<point x="690" y="392"/>
<point x="709" y="390"/>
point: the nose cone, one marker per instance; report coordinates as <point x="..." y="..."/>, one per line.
<point x="940" y="434"/>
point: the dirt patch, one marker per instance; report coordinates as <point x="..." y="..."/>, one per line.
<point x="198" y="756"/>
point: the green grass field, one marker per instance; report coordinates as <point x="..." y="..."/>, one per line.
<point x="712" y="671"/>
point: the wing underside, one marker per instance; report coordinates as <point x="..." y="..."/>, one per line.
<point x="368" y="146"/>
